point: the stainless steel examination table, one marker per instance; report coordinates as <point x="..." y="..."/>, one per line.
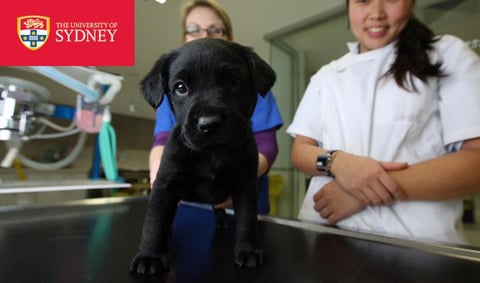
<point x="94" y="240"/>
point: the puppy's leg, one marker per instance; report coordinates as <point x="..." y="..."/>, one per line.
<point x="246" y="251"/>
<point x="221" y="218"/>
<point x="152" y="257"/>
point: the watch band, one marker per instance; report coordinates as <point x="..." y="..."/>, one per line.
<point x="330" y="163"/>
<point x="324" y="162"/>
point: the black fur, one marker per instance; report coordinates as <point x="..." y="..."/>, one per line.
<point x="212" y="87"/>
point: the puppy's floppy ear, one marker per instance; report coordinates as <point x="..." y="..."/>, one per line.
<point x="262" y="74"/>
<point x="155" y="83"/>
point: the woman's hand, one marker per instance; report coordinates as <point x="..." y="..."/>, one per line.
<point x="228" y="203"/>
<point x="367" y="179"/>
<point x="364" y="178"/>
<point x="335" y="204"/>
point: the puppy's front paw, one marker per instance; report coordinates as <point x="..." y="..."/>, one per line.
<point x="249" y="258"/>
<point x="148" y="265"/>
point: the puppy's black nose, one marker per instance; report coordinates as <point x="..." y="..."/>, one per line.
<point x="207" y="124"/>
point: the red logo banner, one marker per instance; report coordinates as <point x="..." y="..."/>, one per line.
<point x="68" y="33"/>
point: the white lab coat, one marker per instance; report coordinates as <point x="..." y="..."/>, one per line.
<point x="349" y="106"/>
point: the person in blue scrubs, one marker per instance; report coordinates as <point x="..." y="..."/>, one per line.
<point x="207" y="19"/>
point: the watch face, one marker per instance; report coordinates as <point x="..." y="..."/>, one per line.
<point x="322" y="162"/>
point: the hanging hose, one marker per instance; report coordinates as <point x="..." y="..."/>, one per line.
<point x="61" y="163"/>
<point x="108" y="147"/>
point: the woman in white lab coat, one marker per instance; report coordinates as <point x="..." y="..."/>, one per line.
<point x="391" y="130"/>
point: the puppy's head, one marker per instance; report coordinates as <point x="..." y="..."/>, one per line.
<point x="212" y="87"/>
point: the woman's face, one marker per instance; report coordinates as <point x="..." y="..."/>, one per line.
<point x="376" y="23"/>
<point x="203" y="22"/>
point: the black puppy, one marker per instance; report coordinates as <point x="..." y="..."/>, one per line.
<point x="212" y="88"/>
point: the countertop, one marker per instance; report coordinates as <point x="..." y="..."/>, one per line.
<point x="94" y="241"/>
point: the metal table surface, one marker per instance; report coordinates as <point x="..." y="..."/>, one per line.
<point x="94" y="240"/>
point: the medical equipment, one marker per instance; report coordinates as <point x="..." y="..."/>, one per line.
<point x="25" y="111"/>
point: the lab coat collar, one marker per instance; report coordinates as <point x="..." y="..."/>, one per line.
<point x="353" y="57"/>
<point x="354" y="48"/>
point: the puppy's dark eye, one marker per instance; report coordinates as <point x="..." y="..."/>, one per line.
<point x="180" y="89"/>
<point x="235" y="82"/>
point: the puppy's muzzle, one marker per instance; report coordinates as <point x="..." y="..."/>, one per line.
<point x="209" y="124"/>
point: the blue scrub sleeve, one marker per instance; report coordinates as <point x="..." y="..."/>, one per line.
<point x="164" y="120"/>
<point x="266" y="114"/>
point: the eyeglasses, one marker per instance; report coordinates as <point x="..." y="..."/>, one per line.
<point x="196" y="31"/>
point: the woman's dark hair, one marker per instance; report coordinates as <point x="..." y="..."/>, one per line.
<point x="412" y="59"/>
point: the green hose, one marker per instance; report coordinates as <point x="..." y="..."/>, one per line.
<point x="108" y="148"/>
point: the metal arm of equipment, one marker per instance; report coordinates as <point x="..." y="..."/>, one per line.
<point x="24" y="107"/>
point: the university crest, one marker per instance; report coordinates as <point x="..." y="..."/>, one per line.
<point x="33" y="31"/>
